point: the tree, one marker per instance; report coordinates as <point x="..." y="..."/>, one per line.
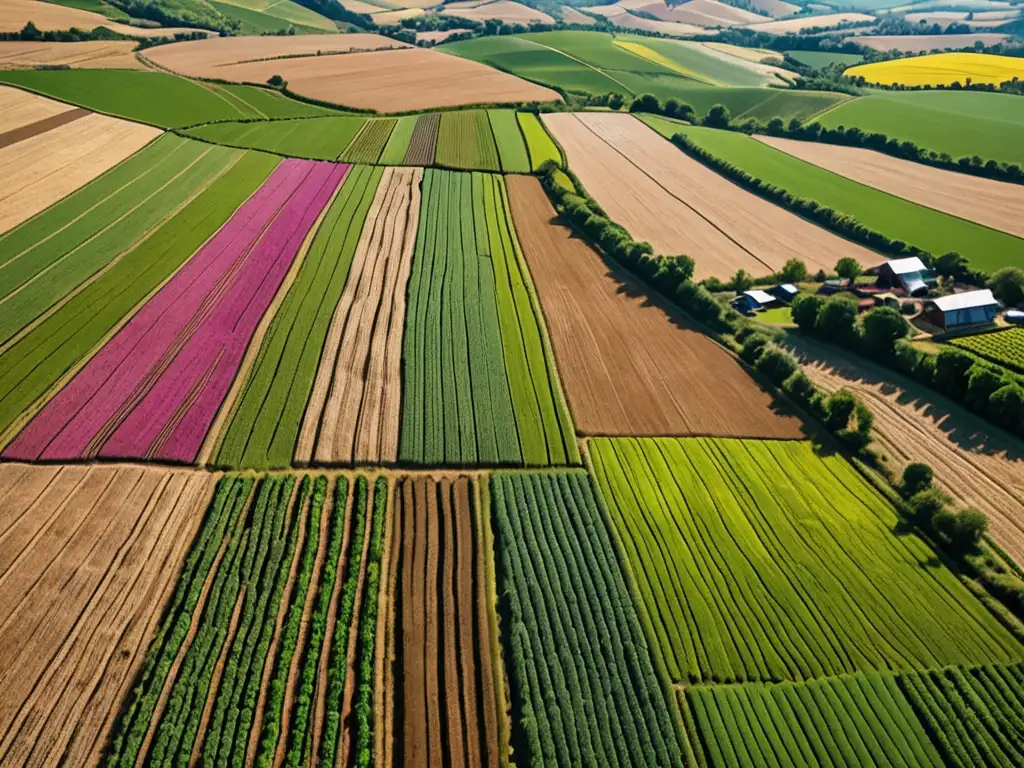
<point x="646" y="103"/>
<point x="615" y="101"/>
<point x="777" y="364"/>
<point x="1007" y="285"/>
<point x="277" y="81"/>
<point x="793" y="271"/>
<point x="839" y="407"/>
<point x="963" y="530"/>
<point x="882" y="328"/>
<point x="951" y="367"/>
<point x="753" y="348"/>
<point x="800" y="388"/>
<point x="952" y="265"/>
<point x="982" y="382"/>
<point x="837" y="320"/>
<point x="685" y="112"/>
<point x="805" y="309"/>
<point x="917" y="477"/>
<point x="848" y="268"/>
<point x="1006" y="406"/>
<point x="742" y="281"/>
<point x="670" y="108"/>
<point x="927" y="504"/>
<point x="717" y="117"/>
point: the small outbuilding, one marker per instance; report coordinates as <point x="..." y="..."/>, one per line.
<point x="910" y="274"/>
<point x="960" y="309"/>
<point x="751" y="301"/>
<point x="785" y="292"/>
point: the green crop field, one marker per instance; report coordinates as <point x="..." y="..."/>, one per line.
<point x="700" y="63"/>
<point x="398" y="145"/>
<point x="465" y="141"/>
<point x="477" y="387"/>
<point x="96" y="6"/>
<point x="899" y="219"/>
<point x="819" y="59"/>
<point x="960" y="124"/>
<point x="368" y="145"/>
<point x="163" y="100"/>
<point x="578" y="664"/>
<point x="766" y="561"/>
<point x="511" y="147"/>
<point x="862" y="719"/>
<point x="244" y="550"/>
<point x="259" y="16"/>
<point x="1005" y="348"/>
<point x="321" y="138"/>
<point x="265" y="423"/>
<point x="35" y="362"/>
<point x="50" y="255"/>
<point x="540" y="144"/>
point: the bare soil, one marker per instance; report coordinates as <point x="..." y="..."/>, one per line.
<point x="631" y="365"/>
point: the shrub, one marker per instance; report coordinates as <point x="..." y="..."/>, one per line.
<point x="963" y="530"/>
<point x="927" y="504"/>
<point x="800" y="388"/>
<point x="1007" y="285"/>
<point x="982" y="382"/>
<point x="1006" y="405"/>
<point x="882" y="327"/>
<point x="804" y="309"/>
<point x="717" y="117"/>
<point x="837" y="319"/>
<point x="753" y="348"/>
<point x="917" y="477"/>
<point x="839" y="408"/>
<point x="777" y="364"/>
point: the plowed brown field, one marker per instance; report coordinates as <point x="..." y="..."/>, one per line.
<point x="39" y="171"/>
<point x="973" y="463"/>
<point x="631" y="365"/>
<point x="442" y="697"/>
<point x="353" y="412"/>
<point x="679" y="206"/>
<point x="98" y="54"/>
<point x="996" y="204"/>
<point x="87" y="558"/>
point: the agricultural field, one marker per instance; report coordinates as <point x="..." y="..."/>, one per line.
<point x="696" y="61"/>
<point x="437" y="626"/>
<point x="277" y="15"/>
<point x="265" y="654"/>
<point x="751" y="556"/>
<point x="113" y="54"/>
<point x="320" y="138"/>
<point x="15" y="14"/>
<point x="539" y="144"/>
<point x="423" y="143"/>
<point x="512" y="150"/>
<point x="370" y="142"/>
<point x="478" y="388"/>
<point x="661" y="195"/>
<point x="1005" y="348"/>
<point x="89" y="554"/>
<point x="820" y="59"/>
<point x="886" y="206"/>
<point x="941" y="69"/>
<point x="465" y="140"/>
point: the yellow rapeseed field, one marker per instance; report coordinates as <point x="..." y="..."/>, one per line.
<point x="942" y="69"/>
<point x="650" y="54"/>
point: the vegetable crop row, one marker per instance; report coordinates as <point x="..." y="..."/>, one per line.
<point x="1005" y="348"/>
<point x="465" y="141"/>
<point x="368" y="145"/>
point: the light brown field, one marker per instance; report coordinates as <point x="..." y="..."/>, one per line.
<point x="504" y="10"/>
<point x="976" y="465"/>
<point x="19" y="108"/>
<point x="925" y="43"/>
<point x="571" y="16"/>
<point x="794" y="26"/>
<point x="679" y="206"/>
<point x="705" y="13"/>
<point x="438" y="35"/>
<point x="440" y="651"/>
<point x="353" y="412"/>
<point x="775" y="8"/>
<point x="15" y="14"/>
<point x="995" y="204"/>
<point x="385" y="18"/>
<point x="359" y="6"/>
<point x="756" y="55"/>
<point x="114" y="54"/>
<point x="41" y="170"/>
<point x="630" y="363"/>
<point x="88" y="556"/>
<point x="629" y="21"/>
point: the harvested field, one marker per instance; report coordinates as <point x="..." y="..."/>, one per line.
<point x="15" y="14"/>
<point x="445" y="710"/>
<point x="679" y="206"/>
<point x="369" y="143"/>
<point x="353" y="411"/>
<point x="249" y="665"/>
<point x="424" y="140"/>
<point x="19" y="108"/>
<point x="976" y="465"/>
<point x="265" y="423"/>
<point x="466" y="141"/>
<point x="42" y="169"/>
<point x="504" y="10"/>
<point x="702" y="13"/>
<point x="99" y="54"/>
<point x="437" y="36"/>
<point x="925" y="43"/>
<point x="155" y="388"/>
<point x="88" y="559"/>
<point x="767" y="560"/>
<point x="631" y="364"/>
<point x="794" y="26"/>
<point x="478" y="386"/>
<point x="41" y="126"/>
<point x="572" y="16"/>
<point x="994" y="204"/>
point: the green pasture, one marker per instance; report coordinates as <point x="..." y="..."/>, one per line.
<point x="511" y="147"/>
<point x="541" y="146"/>
<point x="899" y="219"/>
<point x="465" y="141"/>
<point x="284" y="13"/>
<point x="398" y="144"/>
<point x="321" y="138"/>
<point x="254" y="22"/>
<point x="819" y="59"/>
<point x="704" y="64"/>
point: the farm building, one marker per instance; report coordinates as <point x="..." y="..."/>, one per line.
<point x="910" y="274"/>
<point x="960" y="309"/>
<point x="785" y="292"/>
<point x="752" y="301"/>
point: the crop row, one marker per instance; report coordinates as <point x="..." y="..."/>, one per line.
<point x="764" y="560"/>
<point x="584" y="690"/>
<point x="511" y="148"/>
<point x="1003" y="347"/>
<point x="541" y="146"/>
<point x="155" y="388"/>
<point x="265" y="425"/>
<point x="477" y="388"/>
<point x="239" y="672"/>
<point x="423" y="143"/>
<point x="368" y="145"/>
<point x="465" y="140"/>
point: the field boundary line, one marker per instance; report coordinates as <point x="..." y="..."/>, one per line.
<point x="585" y="64"/>
<point x="821" y="113"/>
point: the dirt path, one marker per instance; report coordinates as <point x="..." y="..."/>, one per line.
<point x="976" y="465"/>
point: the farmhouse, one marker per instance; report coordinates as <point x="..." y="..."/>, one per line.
<point x="961" y="309"/>
<point x="910" y="274"/>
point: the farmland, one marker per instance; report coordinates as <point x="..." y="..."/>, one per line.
<point x="512" y="150"/>
<point x="541" y="147"/>
<point x="478" y="386"/>
<point x="1006" y="348"/>
<point x="639" y="178"/>
<point x="941" y="69"/>
<point x="769" y="159"/>
<point x="803" y="604"/>
<point x="89" y="555"/>
<point x="114" y="54"/>
<point x="465" y="140"/>
<point x="321" y="138"/>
